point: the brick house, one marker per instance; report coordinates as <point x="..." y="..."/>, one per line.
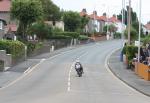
<point x="5" y="10"/>
<point x="146" y="28"/>
<point x="5" y="6"/>
<point x="2" y="28"/>
<point x="96" y="23"/>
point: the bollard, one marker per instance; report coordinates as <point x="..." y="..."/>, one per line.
<point x="52" y="48"/>
<point x="1" y="65"/>
<point x="121" y="56"/>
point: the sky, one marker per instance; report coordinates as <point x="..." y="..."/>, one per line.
<point x="109" y="6"/>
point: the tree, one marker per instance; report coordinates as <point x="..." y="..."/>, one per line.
<point x="84" y="21"/>
<point x="111" y="28"/>
<point x="72" y="21"/>
<point x="125" y="16"/>
<point x="26" y="12"/>
<point x="41" y="29"/>
<point x="51" y="11"/>
<point x="133" y="34"/>
<point x="133" y="15"/>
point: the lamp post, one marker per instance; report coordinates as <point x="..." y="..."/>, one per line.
<point x="123" y="18"/>
<point x="129" y="22"/>
<point x="140" y="4"/>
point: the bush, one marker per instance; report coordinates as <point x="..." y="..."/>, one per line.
<point x="67" y="34"/>
<point x="56" y="29"/>
<point x="33" y="46"/>
<point x="145" y="40"/>
<point x="42" y="30"/>
<point x="117" y="35"/>
<point x="83" y="37"/>
<point x="133" y="34"/>
<point x="16" y="48"/>
<point x="60" y="37"/>
<point x="130" y="51"/>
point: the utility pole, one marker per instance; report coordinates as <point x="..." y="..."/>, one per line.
<point x="129" y="22"/>
<point x="123" y="18"/>
<point x="140" y="4"/>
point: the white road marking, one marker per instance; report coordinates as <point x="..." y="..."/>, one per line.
<point x="29" y="70"/>
<point x="25" y="74"/>
<point x="72" y="66"/>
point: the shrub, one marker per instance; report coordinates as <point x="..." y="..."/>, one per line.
<point x="67" y="34"/>
<point x="145" y="40"/>
<point x="60" y="37"/>
<point x="42" y="30"/>
<point x="133" y="34"/>
<point x="33" y="46"/>
<point x="16" y="48"/>
<point x="130" y="51"/>
<point x="56" y="29"/>
<point x="83" y="37"/>
<point x="117" y="35"/>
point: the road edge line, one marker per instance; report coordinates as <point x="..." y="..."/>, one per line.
<point x="30" y="69"/>
<point x="108" y="68"/>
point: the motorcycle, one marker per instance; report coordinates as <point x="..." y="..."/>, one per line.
<point x="79" y="69"/>
<point x="79" y="72"/>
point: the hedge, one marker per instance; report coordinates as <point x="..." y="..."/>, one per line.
<point x="67" y="34"/>
<point x="83" y="37"/>
<point x="130" y="51"/>
<point x="60" y="37"/>
<point x="15" y="48"/>
<point x="31" y="47"/>
<point x="145" y="40"/>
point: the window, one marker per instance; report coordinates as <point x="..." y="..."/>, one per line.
<point x="1" y="25"/>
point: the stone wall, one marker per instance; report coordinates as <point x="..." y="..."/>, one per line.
<point x="6" y="58"/>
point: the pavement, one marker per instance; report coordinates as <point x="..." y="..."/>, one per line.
<point x="128" y="76"/>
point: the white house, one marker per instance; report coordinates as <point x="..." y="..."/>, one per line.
<point x="120" y="27"/>
<point x="146" y="28"/>
<point x="2" y="28"/>
<point x="96" y="23"/>
<point x="58" y="24"/>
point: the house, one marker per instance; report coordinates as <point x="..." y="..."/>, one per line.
<point x="57" y="24"/>
<point x="2" y="28"/>
<point x="146" y="29"/>
<point x="118" y="24"/>
<point x="103" y="20"/>
<point x="5" y="6"/>
<point x="95" y="24"/>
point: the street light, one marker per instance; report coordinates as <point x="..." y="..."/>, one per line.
<point x="140" y="5"/>
<point x="123" y="18"/>
<point x="129" y="22"/>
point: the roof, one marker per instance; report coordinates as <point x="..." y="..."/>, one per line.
<point x="83" y="14"/>
<point x="12" y="27"/>
<point x="5" y="5"/>
<point x="114" y="20"/>
<point x="147" y="26"/>
<point x="92" y="16"/>
<point x="2" y="20"/>
<point x="104" y="18"/>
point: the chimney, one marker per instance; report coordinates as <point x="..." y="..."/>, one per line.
<point x="104" y="14"/>
<point x="114" y="15"/>
<point x="84" y="10"/>
<point x="95" y="13"/>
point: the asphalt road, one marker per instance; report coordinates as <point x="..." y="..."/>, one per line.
<point x="55" y="81"/>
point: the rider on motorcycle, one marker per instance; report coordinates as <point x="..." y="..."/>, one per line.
<point x="79" y="67"/>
